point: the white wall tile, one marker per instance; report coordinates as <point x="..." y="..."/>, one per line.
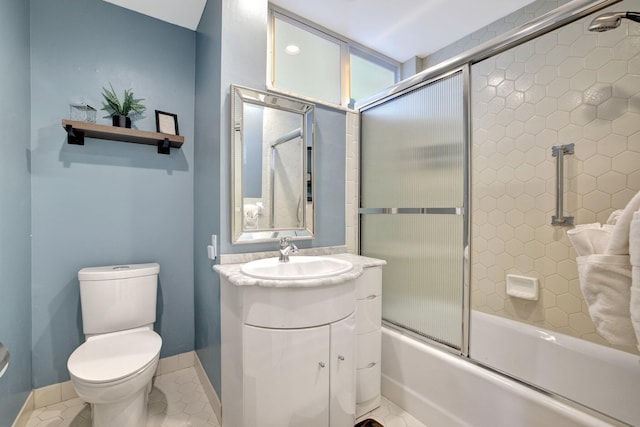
<point x="566" y="86"/>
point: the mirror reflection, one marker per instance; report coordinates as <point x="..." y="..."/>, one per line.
<point x="272" y="149"/>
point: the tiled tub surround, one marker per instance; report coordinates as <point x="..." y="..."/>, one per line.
<point x="568" y="86"/>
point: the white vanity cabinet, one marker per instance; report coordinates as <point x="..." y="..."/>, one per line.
<point x="288" y="355"/>
<point x="300" y="377"/>
<point x="369" y="339"/>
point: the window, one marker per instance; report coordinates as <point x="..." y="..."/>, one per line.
<point x="312" y="62"/>
<point x="306" y="62"/>
<point x="369" y="75"/>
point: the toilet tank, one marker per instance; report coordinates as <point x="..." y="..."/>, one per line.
<point x="118" y="297"/>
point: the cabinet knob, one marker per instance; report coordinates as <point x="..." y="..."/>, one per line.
<point x="321" y="364"/>
<point x="340" y="357"/>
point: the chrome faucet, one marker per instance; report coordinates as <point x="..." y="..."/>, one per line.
<point x="286" y="247"/>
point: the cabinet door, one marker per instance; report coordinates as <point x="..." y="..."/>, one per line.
<point x="286" y="381"/>
<point x="342" y="407"/>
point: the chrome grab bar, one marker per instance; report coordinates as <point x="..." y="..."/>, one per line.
<point x="4" y="359"/>
<point x="558" y="152"/>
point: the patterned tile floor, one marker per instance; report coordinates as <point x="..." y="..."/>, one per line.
<point x="178" y="400"/>
<point x="391" y="415"/>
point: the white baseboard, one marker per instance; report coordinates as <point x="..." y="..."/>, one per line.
<point x="56" y="393"/>
<point x="214" y="400"/>
<point x="175" y="363"/>
<point x="25" y="412"/>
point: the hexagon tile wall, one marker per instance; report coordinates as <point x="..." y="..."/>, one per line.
<point x="568" y="86"/>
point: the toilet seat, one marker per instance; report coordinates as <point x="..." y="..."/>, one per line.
<point x="112" y="357"/>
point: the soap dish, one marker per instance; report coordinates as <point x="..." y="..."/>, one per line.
<point x="522" y="287"/>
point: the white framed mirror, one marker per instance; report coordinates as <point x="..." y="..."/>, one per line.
<point x="272" y="152"/>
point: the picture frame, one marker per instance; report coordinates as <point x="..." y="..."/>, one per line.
<point x="166" y="123"/>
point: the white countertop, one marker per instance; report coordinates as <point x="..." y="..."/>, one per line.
<point x="232" y="273"/>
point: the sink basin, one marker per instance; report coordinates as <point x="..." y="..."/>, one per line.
<point x="298" y="268"/>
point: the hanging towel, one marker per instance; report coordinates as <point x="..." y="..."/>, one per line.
<point x="619" y="243"/>
<point x="634" y="240"/>
<point x="589" y="239"/>
<point x="634" y="306"/>
<point x="634" y="255"/>
<point x="605" y="281"/>
<point x="615" y="215"/>
<point x="606" y="276"/>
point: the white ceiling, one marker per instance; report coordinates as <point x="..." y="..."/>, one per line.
<point x="400" y="29"/>
<point x="185" y="13"/>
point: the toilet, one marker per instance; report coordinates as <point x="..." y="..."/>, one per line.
<point x="112" y="370"/>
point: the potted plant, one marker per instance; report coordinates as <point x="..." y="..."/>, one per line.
<point x="119" y="112"/>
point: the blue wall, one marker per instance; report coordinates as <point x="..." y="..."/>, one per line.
<point x="110" y="202"/>
<point x="231" y="46"/>
<point x="207" y="189"/>
<point x="107" y="202"/>
<point x="15" y="224"/>
<point x="329" y="179"/>
<point x="244" y="62"/>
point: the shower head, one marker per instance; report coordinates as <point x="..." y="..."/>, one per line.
<point x="611" y="20"/>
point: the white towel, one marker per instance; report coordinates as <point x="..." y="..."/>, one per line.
<point x="634" y="241"/>
<point x="589" y="239"/>
<point x="634" y="255"/>
<point x="619" y="242"/>
<point x="634" y="306"/>
<point x="605" y="281"/>
<point x="615" y="215"/>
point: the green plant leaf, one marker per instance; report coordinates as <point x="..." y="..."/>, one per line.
<point x="113" y="107"/>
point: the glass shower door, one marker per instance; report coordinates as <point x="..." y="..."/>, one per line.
<point x="413" y="204"/>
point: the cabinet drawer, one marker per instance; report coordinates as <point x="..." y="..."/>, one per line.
<point x="368" y="383"/>
<point x="368" y="314"/>
<point x="368" y="349"/>
<point x="370" y="283"/>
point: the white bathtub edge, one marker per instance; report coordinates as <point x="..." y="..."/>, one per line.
<point x="443" y="384"/>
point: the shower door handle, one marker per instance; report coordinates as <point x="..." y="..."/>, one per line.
<point x="558" y="152"/>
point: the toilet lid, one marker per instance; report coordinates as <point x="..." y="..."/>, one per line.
<point x="113" y="357"/>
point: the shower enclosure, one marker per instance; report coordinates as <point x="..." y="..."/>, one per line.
<point x="471" y="170"/>
<point x="413" y="204"/>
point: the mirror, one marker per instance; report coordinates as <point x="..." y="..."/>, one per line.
<point x="272" y="167"/>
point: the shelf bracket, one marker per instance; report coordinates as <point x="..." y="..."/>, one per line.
<point x="164" y="147"/>
<point x="74" y="136"/>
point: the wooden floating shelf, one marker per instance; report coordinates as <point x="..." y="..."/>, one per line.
<point x="77" y="131"/>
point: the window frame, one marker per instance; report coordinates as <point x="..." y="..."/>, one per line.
<point x="347" y="47"/>
<point x="376" y="58"/>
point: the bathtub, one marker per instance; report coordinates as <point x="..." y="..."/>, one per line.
<point x="445" y="390"/>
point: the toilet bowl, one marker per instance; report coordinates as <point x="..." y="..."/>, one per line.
<point x="112" y="370"/>
<point x="113" y="373"/>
